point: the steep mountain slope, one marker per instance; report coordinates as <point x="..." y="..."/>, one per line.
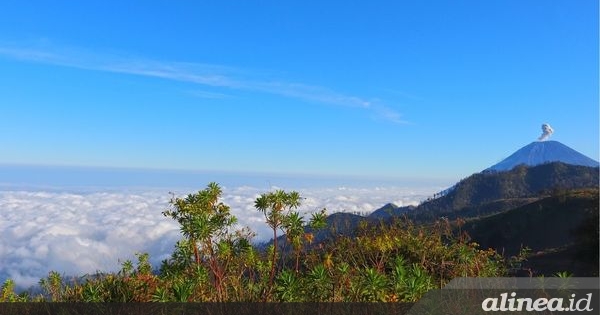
<point x="541" y="152"/>
<point x="547" y="223"/>
<point x="490" y="192"/>
<point x="479" y="195"/>
<point x="561" y="230"/>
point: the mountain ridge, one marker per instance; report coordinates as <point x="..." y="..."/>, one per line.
<point x="522" y="182"/>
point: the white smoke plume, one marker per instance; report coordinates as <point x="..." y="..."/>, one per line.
<point x="547" y="131"/>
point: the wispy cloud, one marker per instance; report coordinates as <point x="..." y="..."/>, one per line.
<point x="202" y="74"/>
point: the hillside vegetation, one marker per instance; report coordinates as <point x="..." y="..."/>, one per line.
<point x="547" y="212"/>
<point x="214" y="262"/>
<point x="564" y="224"/>
<point x="490" y="192"/>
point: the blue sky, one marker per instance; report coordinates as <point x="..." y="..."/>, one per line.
<point x="401" y="89"/>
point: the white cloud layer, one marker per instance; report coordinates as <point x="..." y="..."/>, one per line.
<point x="77" y="233"/>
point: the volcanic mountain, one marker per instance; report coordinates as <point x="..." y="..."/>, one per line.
<point x="541" y="152"/>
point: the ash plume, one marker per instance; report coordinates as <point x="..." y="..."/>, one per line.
<point x="547" y="131"/>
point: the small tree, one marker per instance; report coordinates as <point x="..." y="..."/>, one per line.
<point x="53" y="285"/>
<point x="205" y="222"/>
<point x="273" y="205"/>
<point x="294" y="228"/>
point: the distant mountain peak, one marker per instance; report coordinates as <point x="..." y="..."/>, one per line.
<point x="541" y="152"/>
<point x="390" y="210"/>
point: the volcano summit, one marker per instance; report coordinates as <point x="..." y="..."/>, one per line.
<point x="541" y="152"/>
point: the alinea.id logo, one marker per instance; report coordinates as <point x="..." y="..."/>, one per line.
<point x="512" y="295"/>
<point x="504" y="303"/>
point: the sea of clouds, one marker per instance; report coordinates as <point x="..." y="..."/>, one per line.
<point x="78" y="232"/>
